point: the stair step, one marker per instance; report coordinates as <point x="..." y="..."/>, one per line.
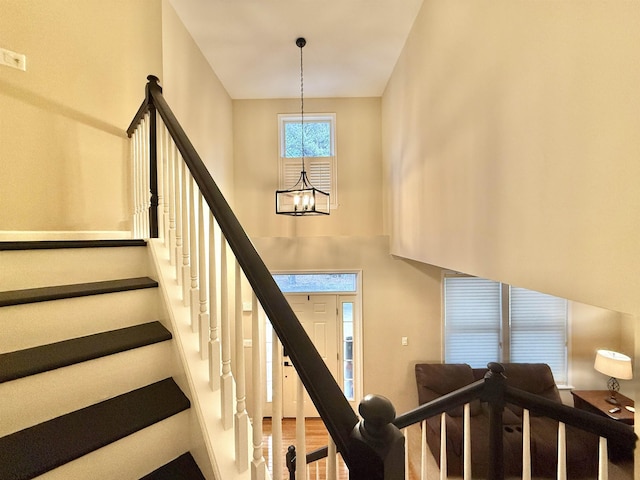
<point x="40" y="359"/>
<point x="44" y="294"/>
<point x="59" y="244"/>
<point x="38" y="449"/>
<point x="182" y="468"/>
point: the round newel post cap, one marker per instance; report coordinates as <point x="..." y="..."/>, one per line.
<point x="495" y="368"/>
<point x="377" y="412"/>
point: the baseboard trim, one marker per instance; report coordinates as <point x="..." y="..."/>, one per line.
<point x="26" y="235"/>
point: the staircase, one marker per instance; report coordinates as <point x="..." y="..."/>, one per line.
<point x="87" y="370"/>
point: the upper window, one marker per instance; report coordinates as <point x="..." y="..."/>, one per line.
<point x="487" y="321"/>
<point x="319" y="151"/>
<point x="316" y="282"/>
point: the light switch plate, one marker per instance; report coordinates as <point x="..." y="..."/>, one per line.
<point x="13" y="59"/>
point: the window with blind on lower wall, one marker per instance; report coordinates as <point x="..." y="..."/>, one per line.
<point x="487" y="321"/>
<point x="319" y="152"/>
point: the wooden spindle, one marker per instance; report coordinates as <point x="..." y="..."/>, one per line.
<point x="214" y="339"/>
<point x="172" y="201"/>
<point x="301" y="441"/>
<point x="603" y="459"/>
<point x="562" y="452"/>
<point x="258" y="465"/>
<point x="424" y="451"/>
<point x="186" y="276"/>
<point x="241" y="417"/>
<point x="226" y="380"/>
<point x="194" y="294"/>
<point x="203" y="315"/>
<point x="443" y="446"/>
<point x="276" y="402"/>
<point x="526" y="445"/>
<point x="332" y="461"/>
<point x="467" y="442"/>
<point x="178" y="202"/>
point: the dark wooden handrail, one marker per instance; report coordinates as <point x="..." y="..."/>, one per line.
<point x="323" y="390"/>
<point x="484" y="391"/>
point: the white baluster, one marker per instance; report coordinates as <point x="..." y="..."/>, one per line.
<point x="301" y="441"/>
<point x="186" y="276"/>
<point x="171" y="179"/>
<point x="160" y="162"/>
<point x="562" y="452"/>
<point x="226" y="387"/>
<point x="332" y="461"/>
<point x="258" y="465"/>
<point x="165" y="185"/>
<point x="178" y="202"/>
<point x="241" y="418"/>
<point x="424" y="451"/>
<point x="134" y="176"/>
<point x="203" y="316"/>
<point x="443" y="446"/>
<point x="466" y="426"/>
<point x="603" y="460"/>
<point x="526" y="446"/>
<point x="214" y="339"/>
<point x="405" y="434"/>
<point x="146" y="194"/>
<point x="139" y="185"/>
<point x="276" y="405"/>
<point x="194" y="294"/>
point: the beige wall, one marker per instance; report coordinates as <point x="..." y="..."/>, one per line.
<point x="198" y="99"/>
<point x="511" y="145"/>
<point x="255" y="129"/>
<point x="400" y="298"/>
<point x="63" y="146"/>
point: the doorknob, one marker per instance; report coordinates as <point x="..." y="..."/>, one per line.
<point x="287" y="364"/>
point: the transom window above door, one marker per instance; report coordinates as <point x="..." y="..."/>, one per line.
<point x="319" y="151"/>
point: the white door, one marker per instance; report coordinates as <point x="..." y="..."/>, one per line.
<point x="318" y="314"/>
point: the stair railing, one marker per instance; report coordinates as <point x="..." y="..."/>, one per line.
<point x="496" y="393"/>
<point x="173" y="196"/>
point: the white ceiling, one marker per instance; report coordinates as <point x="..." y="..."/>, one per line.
<point x="352" y="45"/>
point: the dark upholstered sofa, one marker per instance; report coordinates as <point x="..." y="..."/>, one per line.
<point x="435" y="380"/>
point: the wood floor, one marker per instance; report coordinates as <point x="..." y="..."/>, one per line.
<point x="316" y="436"/>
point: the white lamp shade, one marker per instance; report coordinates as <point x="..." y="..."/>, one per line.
<point x="613" y="364"/>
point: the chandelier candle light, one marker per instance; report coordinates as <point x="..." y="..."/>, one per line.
<point x="303" y="198"/>
<point x="615" y="365"/>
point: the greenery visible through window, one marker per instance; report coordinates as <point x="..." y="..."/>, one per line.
<point x="487" y="321"/>
<point x="317" y="139"/>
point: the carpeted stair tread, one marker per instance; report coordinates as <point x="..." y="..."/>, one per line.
<point x="31" y="361"/>
<point x="38" y="449"/>
<point x="60" y="244"/>
<point x="182" y="468"/>
<point x="44" y="294"/>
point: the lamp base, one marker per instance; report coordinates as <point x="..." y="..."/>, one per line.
<point x="612" y="400"/>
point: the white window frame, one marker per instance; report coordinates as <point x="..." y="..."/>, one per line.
<point x="501" y="327"/>
<point x="317" y="168"/>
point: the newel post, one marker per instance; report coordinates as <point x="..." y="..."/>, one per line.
<point x="153" y="156"/>
<point x="377" y="446"/>
<point x="494" y="387"/>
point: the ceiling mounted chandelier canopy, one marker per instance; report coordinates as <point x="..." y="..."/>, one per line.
<point x="302" y="198"/>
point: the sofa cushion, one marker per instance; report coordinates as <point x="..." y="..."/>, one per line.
<point x="534" y="378"/>
<point x="437" y="379"/>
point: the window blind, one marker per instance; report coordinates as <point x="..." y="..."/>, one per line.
<point x="538" y="330"/>
<point x="472" y="320"/>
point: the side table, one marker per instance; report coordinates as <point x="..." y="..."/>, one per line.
<point x="594" y="401"/>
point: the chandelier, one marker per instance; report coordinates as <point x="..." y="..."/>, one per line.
<point x="302" y="198"/>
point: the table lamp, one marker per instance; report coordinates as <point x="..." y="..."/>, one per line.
<point x="616" y="366"/>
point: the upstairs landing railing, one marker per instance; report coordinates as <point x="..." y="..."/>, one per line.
<point x="176" y="199"/>
<point x="494" y="390"/>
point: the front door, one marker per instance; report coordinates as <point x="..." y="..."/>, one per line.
<point x="318" y="314"/>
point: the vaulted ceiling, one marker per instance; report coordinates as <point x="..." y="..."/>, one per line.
<point x="352" y="45"/>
